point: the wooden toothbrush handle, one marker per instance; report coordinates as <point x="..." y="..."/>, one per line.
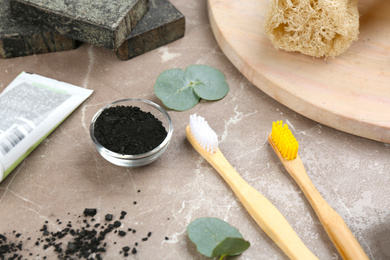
<point x="266" y="215"/>
<point x="338" y="231"/>
<point x="343" y="239"/>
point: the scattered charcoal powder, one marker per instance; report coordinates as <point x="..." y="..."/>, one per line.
<point x="78" y="240"/>
<point x="90" y="212"/>
<point x="123" y="214"/>
<point x="129" y="130"/>
<point x="117" y="224"/>
<point x="108" y="217"/>
<point x="11" y="248"/>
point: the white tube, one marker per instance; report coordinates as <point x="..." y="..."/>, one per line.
<point x="31" y="107"/>
<point x="1" y="172"/>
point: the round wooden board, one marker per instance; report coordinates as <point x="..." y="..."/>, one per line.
<point x="350" y="93"/>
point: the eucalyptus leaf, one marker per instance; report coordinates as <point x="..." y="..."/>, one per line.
<point x="173" y="89"/>
<point x="181" y="90"/>
<point x="208" y="82"/>
<point x="215" y="237"/>
<point x="231" y="246"/>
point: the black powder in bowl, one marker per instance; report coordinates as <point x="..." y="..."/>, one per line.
<point x="128" y="130"/>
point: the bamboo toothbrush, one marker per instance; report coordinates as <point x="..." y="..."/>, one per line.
<point x="286" y="147"/>
<point x="273" y="223"/>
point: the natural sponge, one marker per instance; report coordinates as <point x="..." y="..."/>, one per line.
<point x="313" y="27"/>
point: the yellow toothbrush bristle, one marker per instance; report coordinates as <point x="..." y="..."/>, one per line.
<point x="284" y="140"/>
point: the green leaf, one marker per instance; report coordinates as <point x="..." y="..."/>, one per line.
<point x="173" y="89"/>
<point x="214" y="237"/>
<point x="181" y="90"/>
<point x="208" y="82"/>
<point x="231" y="246"/>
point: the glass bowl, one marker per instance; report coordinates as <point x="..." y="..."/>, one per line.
<point x="136" y="160"/>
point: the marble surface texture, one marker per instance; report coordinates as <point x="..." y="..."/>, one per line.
<point x="65" y="174"/>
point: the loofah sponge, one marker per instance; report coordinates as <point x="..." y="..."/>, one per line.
<point x="313" y="27"/>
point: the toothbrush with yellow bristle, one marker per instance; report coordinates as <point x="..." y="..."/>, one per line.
<point x="286" y="147"/>
<point x="266" y="215"/>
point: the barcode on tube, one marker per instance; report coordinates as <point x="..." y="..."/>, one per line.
<point x="11" y="139"/>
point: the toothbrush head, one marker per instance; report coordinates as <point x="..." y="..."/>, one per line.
<point x="284" y="140"/>
<point x="203" y="133"/>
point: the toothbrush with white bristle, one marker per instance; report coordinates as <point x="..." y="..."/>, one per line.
<point x="204" y="139"/>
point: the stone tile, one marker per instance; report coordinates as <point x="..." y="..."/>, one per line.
<point x="161" y="25"/>
<point x="22" y="39"/>
<point x="101" y="23"/>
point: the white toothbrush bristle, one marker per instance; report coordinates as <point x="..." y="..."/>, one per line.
<point x="203" y="133"/>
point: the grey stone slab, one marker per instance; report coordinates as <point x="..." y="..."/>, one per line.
<point x="162" y="24"/>
<point x="18" y="40"/>
<point x="102" y="23"/>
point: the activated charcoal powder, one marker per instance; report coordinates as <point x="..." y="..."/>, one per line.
<point x="128" y="130"/>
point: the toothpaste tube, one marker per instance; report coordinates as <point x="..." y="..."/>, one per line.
<point x="31" y="107"/>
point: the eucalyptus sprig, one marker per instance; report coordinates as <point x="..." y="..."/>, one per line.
<point x="214" y="237"/>
<point x="181" y="90"/>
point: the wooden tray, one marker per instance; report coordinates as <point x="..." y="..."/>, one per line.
<point x="350" y="93"/>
